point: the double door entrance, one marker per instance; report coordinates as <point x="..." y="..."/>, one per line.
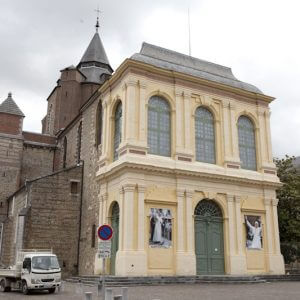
<point x="209" y="244"/>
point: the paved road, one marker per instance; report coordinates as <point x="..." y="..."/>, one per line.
<point x="259" y="291"/>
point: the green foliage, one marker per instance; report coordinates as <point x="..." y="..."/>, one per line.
<point x="289" y="208"/>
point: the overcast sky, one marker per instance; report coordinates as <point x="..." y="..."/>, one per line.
<point x="258" y="39"/>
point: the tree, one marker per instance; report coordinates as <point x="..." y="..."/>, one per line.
<point x="289" y="208"/>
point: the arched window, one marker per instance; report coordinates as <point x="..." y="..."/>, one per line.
<point x="247" y="143"/>
<point x="205" y="136"/>
<point x="159" y="126"/>
<point x="79" y="132"/>
<point x="99" y="122"/>
<point x="118" y="130"/>
<point x="65" y="152"/>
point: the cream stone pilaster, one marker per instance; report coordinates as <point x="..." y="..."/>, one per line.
<point x="269" y="228"/>
<point x="128" y="216"/>
<point x="187" y="121"/>
<point x="232" y="229"/>
<point x="262" y="136"/>
<point x="131" y="123"/>
<point x="239" y="226"/>
<point x="276" y="262"/>
<point x="189" y="222"/>
<point x="234" y="132"/>
<point x="238" y="263"/>
<point x="269" y="142"/>
<point x="105" y="128"/>
<point x="185" y="260"/>
<point x="179" y="121"/>
<point x="141" y="217"/>
<point x="143" y="117"/>
<point x="180" y="225"/>
<point x="129" y="261"/>
<point x="121" y="219"/>
<point x="227" y="131"/>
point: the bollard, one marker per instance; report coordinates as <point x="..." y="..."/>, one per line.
<point x="125" y="293"/>
<point x="108" y="294"/>
<point x="88" y="296"/>
<point x="99" y="288"/>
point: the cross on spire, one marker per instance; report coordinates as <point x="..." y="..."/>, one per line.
<point x="98" y="11"/>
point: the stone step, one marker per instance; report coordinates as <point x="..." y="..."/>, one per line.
<point x="163" y="280"/>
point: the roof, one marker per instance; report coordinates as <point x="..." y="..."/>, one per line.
<point x="175" y="61"/>
<point x="95" y="51"/>
<point x="9" y="106"/>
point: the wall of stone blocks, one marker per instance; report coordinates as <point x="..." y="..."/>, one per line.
<point x="90" y="207"/>
<point x="53" y="220"/>
<point x="37" y="161"/>
<point x="10" y="165"/>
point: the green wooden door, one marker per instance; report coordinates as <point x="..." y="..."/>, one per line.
<point x="115" y="239"/>
<point x="209" y="244"/>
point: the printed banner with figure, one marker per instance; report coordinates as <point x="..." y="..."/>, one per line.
<point x="254" y="232"/>
<point x="160" y="228"/>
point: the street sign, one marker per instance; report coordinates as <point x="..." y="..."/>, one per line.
<point x="105" y="232"/>
<point x="104" y="249"/>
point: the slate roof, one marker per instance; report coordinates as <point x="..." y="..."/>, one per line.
<point x="9" y="106"/>
<point x="95" y="51"/>
<point x="174" y="61"/>
<point x="94" y="61"/>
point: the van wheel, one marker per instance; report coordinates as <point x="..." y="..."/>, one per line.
<point x="25" y="289"/>
<point x="3" y="287"/>
<point x="51" y="291"/>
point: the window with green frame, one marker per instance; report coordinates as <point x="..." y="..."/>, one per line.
<point x="159" y="126"/>
<point x="118" y="130"/>
<point x="247" y="146"/>
<point x="205" y="136"/>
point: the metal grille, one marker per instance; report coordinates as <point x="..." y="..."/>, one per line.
<point x="47" y="280"/>
<point x="118" y="130"/>
<point x="205" y="136"/>
<point x="159" y="126"/>
<point x="208" y="208"/>
<point x="247" y="147"/>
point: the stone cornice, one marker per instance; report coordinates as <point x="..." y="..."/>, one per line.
<point x="126" y="166"/>
<point x="131" y="64"/>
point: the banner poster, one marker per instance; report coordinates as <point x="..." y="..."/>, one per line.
<point x="160" y="228"/>
<point x="253" y="232"/>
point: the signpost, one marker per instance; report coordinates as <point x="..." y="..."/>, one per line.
<point x="105" y="233"/>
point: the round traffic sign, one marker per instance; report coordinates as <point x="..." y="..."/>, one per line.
<point x="105" y="232"/>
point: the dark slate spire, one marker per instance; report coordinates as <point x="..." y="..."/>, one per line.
<point x="9" y="106"/>
<point x="95" y="52"/>
<point x="94" y="63"/>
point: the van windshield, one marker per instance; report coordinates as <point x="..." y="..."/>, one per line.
<point x="45" y="262"/>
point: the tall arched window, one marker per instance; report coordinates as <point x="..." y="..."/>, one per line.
<point x="79" y="132"/>
<point x="247" y="143"/>
<point x="65" y="152"/>
<point x="205" y="136"/>
<point x="159" y="126"/>
<point x="118" y="129"/>
<point x="99" y="122"/>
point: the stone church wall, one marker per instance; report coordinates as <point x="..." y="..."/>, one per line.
<point x="10" y="163"/>
<point x="90" y="207"/>
<point x="52" y="218"/>
<point x="37" y="161"/>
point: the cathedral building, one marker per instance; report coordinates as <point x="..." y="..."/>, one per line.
<point x="173" y="151"/>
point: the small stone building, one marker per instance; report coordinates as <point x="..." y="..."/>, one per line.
<point x="174" y="152"/>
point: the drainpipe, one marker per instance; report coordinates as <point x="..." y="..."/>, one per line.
<point x="80" y="214"/>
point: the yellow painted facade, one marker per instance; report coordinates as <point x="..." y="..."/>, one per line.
<point x="139" y="181"/>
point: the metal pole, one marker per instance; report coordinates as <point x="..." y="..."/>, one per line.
<point x="103" y="278"/>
